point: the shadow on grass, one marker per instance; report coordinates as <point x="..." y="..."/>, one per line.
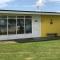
<point x="37" y="39"/>
<point x="29" y="40"/>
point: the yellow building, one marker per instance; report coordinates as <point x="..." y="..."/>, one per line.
<point x="28" y="24"/>
<point x="50" y="25"/>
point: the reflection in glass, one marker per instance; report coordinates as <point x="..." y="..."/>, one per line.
<point x="15" y="24"/>
<point x="20" y="17"/>
<point x="12" y="17"/>
<point x="3" y="17"/>
<point x="3" y="26"/>
<point x="20" y="26"/>
<point x="28" y="17"/>
<point x="28" y="26"/>
<point x="11" y="26"/>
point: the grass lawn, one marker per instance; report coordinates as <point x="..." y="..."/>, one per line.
<point x="46" y="50"/>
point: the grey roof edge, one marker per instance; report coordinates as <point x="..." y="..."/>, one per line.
<point x="29" y="11"/>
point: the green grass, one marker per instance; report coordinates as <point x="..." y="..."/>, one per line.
<point x="47" y="50"/>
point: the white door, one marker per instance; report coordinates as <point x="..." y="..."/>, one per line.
<point x="36" y="26"/>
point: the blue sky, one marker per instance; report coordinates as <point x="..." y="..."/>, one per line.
<point x="31" y="5"/>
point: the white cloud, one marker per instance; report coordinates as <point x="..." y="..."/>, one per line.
<point x="41" y="3"/>
<point x="54" y="0"/>
<point x="57" y="11"/>
<point x="4" y="3"/>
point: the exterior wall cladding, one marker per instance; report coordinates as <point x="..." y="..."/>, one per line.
<point x="50" y="24"/>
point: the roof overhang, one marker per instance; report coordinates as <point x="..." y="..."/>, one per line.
<point x="18" y="12"/>
<point x="28" y="12"/>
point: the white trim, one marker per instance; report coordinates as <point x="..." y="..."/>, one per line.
<point x="10" y="12"/>
<point x="16" y="25"/>
<point x="24" y="24"/>
<point x="18" y="36"/>
<point x="40" y="25"/>
<point x="36" y="13"/>
<point x="49" y="13"/>
<point x="7" y="25"/>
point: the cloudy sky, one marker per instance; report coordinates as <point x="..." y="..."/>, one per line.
<point x="32" y="5"/>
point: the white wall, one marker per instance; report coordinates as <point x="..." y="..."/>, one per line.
<point x="36" y="30"/>
<point x="36" y="26"/>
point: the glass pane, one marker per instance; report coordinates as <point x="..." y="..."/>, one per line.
<point x="3" y="17"/>
<point x="20" y="26"/>
<point x="28" y="26"/>
<point x="28" y="17"/>
<point x="20" y="17"/>
<point x="12" y="17"/>
<point x="11" y="26"/>
<point x="3" y="26"/>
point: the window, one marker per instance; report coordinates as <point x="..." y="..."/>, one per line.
<point x="3" y="17"/>
<point x="28" y="17"/>
<point x="15" y="24"/>
<point x="3" y="25"/>
<point x="28" y="26"/>
<point x="24" y="24"/>
<point x="20" y="17"/>
<point x="11" y="26"/>
<point x="20" y="26"/>
<point x="12" y="17"/>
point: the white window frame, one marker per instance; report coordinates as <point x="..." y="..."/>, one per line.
<point x="16" y="23"/>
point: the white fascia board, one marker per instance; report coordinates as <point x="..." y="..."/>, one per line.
<point x="50" y="13"/>
<point x="10" y="12"/>
<point x="37" y="13"/>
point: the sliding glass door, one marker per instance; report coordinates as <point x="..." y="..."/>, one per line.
<point x="11" y="26"/>
<point x="3" y="25"/>
<point x="28" y="24"/>
<point x="15" y="25"/>
<point x="20" y="26"/>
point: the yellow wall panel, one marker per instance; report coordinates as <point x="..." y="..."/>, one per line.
<point x="46" y="27"/>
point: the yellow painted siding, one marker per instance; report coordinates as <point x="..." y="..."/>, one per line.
<point x="46" y="27"/>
